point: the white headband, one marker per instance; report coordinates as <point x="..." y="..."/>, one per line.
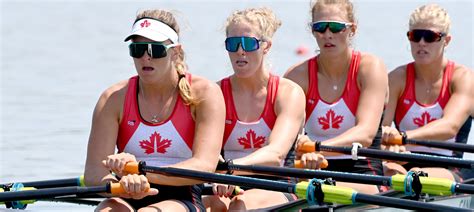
<point x="153" y="30"/>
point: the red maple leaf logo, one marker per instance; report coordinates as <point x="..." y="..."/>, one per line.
<point x="155" y="140"/>
<point x="424" y="119"/>
<point x="331" y="120"/>
<point x="251" y="140"/>
<point x="145" y="24"/>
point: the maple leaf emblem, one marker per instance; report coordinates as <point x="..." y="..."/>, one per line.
<point x="424" y="119"/>
<point x="251" y="140"/>
<point x="145" y="24"/>
<point x="155" y="141"/>
<point x="331" y="120"/>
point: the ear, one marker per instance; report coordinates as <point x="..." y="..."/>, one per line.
<point x="353" y="30"/>
<point x="267" y="46"/>
<point x="175" y="51"/>
<point x="447" y="39"/>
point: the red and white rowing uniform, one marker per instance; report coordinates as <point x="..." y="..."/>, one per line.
<point x="159" y="144"/>
<point x="410" y="114"/>
<point x="242" y="138"/>
<point x="326" y="120"/>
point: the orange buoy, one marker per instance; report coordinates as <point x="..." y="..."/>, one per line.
<point x="301" y="50"/>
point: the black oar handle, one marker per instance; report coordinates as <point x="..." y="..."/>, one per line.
<point x="411" y="157"/>
<point x="403" y="203"/>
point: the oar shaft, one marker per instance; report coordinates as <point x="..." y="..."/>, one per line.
<point x="50" y="193"/>
<point x="444" y="145"/>
<point x="419" y="158"/>
<point x="52" y="183"/>
<point x="221" y="178"/>
<point x="306" y="173"/>
<point x="403" y="203"/>
<point x="464" y="188"/>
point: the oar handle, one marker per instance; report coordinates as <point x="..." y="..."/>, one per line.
<point x="132" y="168"/>
<point x="299" y="164"/>
<point x="307" y="147"/>
<point x="397" y="140"/>
<point x="117" y="189"/>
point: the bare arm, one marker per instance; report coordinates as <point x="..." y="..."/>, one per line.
<point x="455" y="113"/>
<point x="373" y="83"/>
<point x="103" y="136"/>
<point x="210" y="117"/>
<point x="289" y="108"/>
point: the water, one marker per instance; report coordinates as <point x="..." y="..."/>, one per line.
<point x="57" y="57"/>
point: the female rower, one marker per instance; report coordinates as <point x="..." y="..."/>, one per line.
<point x="429" y="98"/>
<point x="160" y="116"/>
<point x="345" y="92"/>
<point x="262" y="128"/>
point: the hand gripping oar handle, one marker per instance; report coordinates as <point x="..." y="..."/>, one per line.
<point x="323" y="165"/>
<point x="382" y="154"/>
<point x="400" y="140"/>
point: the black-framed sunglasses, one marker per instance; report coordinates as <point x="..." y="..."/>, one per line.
<point x="334" y="26"/>
<point x="248" y="44"/>
<point x="428" y="36"/>
<point x="153" y="49"/>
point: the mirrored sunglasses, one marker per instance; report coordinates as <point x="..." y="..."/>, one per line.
<point x="334" y="26"/>
<point x="248" y="44"/>
<point x="153" y="49"/>
<point x="427" y="35"/>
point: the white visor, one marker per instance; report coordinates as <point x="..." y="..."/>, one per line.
<point x="153" y="30"/>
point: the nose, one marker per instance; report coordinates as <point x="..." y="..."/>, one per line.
<point x="240" y="50"/>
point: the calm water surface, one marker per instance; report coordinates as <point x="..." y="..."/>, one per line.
<point x="57" y="57"/>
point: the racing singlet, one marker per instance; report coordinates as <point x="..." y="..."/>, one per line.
<point x="410" y="114"/>
<point x="326" y="120"/>
<point x="242" y="138"/>
<point x="159" y="144"/>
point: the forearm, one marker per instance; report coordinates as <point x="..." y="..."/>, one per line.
<point x="439" y="130"/>
<point x="356" y="134"/>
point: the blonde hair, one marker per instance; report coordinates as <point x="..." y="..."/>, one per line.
<point x="263" y="19"/>
<point x="346" y="4"/>
<point x="180" y="65"/>
<point x="431" y="13"/>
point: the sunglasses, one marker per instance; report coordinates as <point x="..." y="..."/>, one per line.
<point x="248" y="44"/>
<point x="427" y="35"/>
<point x="334" y="26"/>
<point x="154" y="49"/>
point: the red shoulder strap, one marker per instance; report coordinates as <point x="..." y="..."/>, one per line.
<point x="312" y="96"/>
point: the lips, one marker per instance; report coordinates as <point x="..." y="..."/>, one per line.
<point x="147" y="68"/>
<point x="328" y="45"/>
<point x="241" y="62"/>
<point x="421" y="52"/>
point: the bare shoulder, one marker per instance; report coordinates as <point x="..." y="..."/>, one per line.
<point x="115" y="92"/>
<point x="299" y="74"/>
<point x="461" y="71"/>
<point x="297" y="71"/>
<point x="202" y="87"/>
<point x="398" y="73"/>
<point x="112" y="99"/>
<point x="371" y="62"/>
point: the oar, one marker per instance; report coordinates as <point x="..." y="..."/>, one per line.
<point x="77" y="181"/>
<point x="382" y="154"/>
<point x="311" y="192"/>
<point x="399" y="140"/>
<point x="19" y="199"/>
<point x="429" y="185"/>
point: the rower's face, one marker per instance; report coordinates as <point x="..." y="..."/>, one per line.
<point x="328" y="41"/>
<point x="424" y="51"/>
